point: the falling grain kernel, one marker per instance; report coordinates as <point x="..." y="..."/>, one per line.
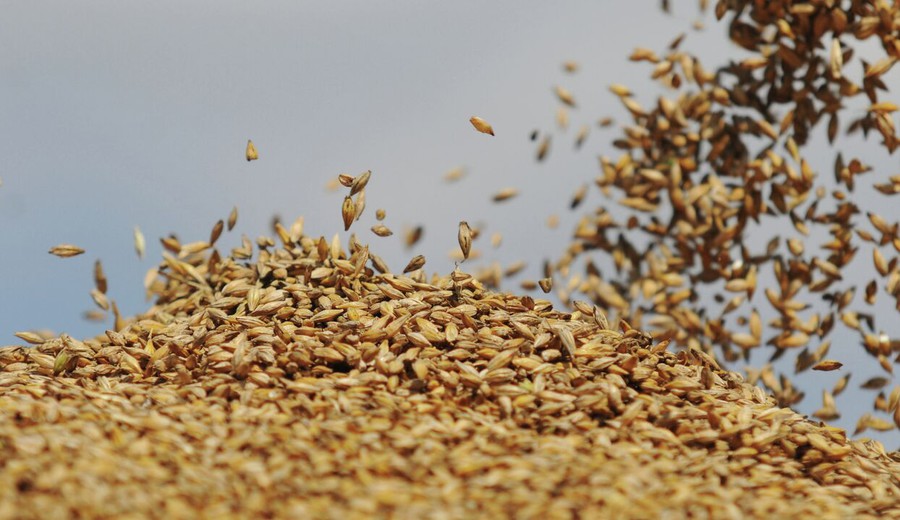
<point x="880" y="67"/>
<point x="514" y="269"/>
<point x="505" y="194"/>
<point x="93" y="315"/>
<point x="879" y="222"/>
<point x="827" y="365"/>
<point x="216" y="232"/>
<point x="546" y="284"/>
<point x="881" y="263"/>
<point x="359" y="183"/>
<point x="332" y="185"/>
<point x="620" y="90"/>
<point x="885" y="363"/>
<point x="570" y="66"/>
<point x="99" y="277"/>
<point x="481" y="125"/>
<point x="382" y="230"/>
<point x="171" y="244"/>
<point x="634" y="107"/>
<point x="841" y="385"/>
<point x="252" y="155"/>
<point x="565" y="96"/>
<point x="894" y="399"/>
<point x="643" y="54"/>
<point x="380" y="214"/>
<point x="836" y="62"/>
<point x="543" y="148"/>
<point x="412" y="236"/>
<point x="140" y="244"/>
<point x="553" y="221"/>
<point x="581" y="136"/>
<point x="348" y="211"/>
<point x="883" y="107"/>
<point x="464" y="237"/>
<point x="232" y="218"/>
<point x="868" y="421"/>
<point x="676" y="42"/>
<point x="416" y="263"/>
<point x="455" y="174"/>
<point x="562" y="118"/>
<point x="66" y="250"/>
<point x="359" y="205"/>
<point x="578" y="196"/>
<point x="874" y="383"/>
<point x="100" y="299"/>
<point x="151" y="276"/>
<point x="345" y="179"/>
<point x="496" y="240"/>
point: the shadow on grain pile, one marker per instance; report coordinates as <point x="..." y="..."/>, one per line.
<point x="307" y="385"/>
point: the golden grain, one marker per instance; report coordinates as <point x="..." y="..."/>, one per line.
<point x="543" y="148"/>
<point x="481" y="125"/>
<point x="252" y="154"/>
<point x="505" y="194"/>
<point x="564" y="96"/>
<point x="382" y="230"/>
<point x="546" y="284"/>
<point x="348" y="212"/>
<point x="359" y="183"/>
<point x="232" y="218"/>
<point x="827" y="365"/>
<point x="139" y="243"/>
<point x="100" y="281"/>
<point x="417" y="262"/>
<point x="581" y="136"/>
<point x="464" y="237"/>
<point x="66" y="250"/>
<point x="413" y="235"/>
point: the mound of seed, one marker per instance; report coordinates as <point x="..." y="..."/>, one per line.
<point x="303" y="384"/>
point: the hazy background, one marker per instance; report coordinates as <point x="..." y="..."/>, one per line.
<point x="116" y="114"/>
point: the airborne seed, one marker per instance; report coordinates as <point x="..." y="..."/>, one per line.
<point x="360" y="182"/>
<point x="348" y="212"/>
<point x="464" y="237"/>
<point x="546" y="284"/>
<point x="416" y="263"/>
<point x="565" y="96"/>
<point x="66" y="250"/>
<point x="481" y="125"/>
<point x="505" y="194"/>
<point x="252" y="155"/>
<point x="139" y="243"/>
<point x="382" y="230"/>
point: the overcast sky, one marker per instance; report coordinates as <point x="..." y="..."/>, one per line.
<point x="117" y="114"/>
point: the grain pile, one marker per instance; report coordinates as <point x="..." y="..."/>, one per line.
<point x="296" y="378"/>
<point x="304" y="384"/>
